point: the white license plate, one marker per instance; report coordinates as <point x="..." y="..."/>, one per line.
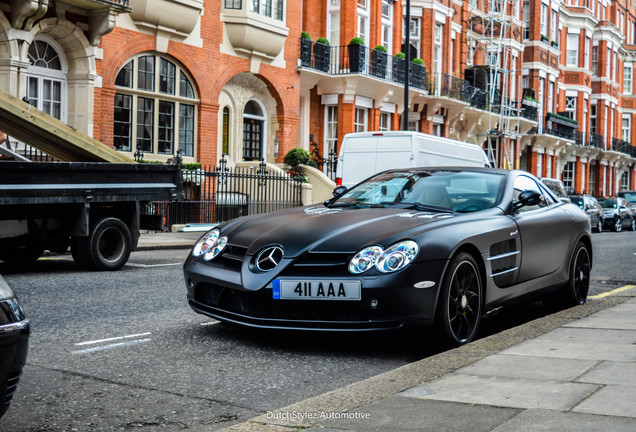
<point x="316" y="290"/>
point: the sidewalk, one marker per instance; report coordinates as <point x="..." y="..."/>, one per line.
<point x="168" y="240"/>
<point x="572" y="371"/>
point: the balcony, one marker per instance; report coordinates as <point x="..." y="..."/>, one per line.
<point x="168" y="19"/>
<point x="623" y="147"/>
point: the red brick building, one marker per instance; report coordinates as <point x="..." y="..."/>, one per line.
<point x="543" y="85"/>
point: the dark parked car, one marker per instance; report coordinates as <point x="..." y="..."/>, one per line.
<point x="590" y="205"/>
<point x="439" y="246"/>
<point x="618" y="214"/>
<point x="14" y="342"/>
<point x="630" y="197"/>
<point x="557" y="188"/>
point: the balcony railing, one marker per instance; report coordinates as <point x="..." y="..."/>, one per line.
<point x="597" y="140"/>
<point x="623" y="147"/>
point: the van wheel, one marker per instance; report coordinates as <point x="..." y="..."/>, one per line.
<point x="108" y="245"/>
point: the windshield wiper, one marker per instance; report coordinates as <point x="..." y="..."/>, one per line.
<point x="422" y="207"/>
<point x="354" y="204"/>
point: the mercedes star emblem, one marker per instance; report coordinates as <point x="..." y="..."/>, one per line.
<point x="269" y="258"/>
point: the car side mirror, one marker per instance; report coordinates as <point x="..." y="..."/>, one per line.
<point x="527" y="198"/>
<point x="340" y="190"/>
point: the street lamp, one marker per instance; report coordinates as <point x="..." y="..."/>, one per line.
<point x="407" y="59"/>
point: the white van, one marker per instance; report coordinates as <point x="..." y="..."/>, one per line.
<point x="363" y="154"/>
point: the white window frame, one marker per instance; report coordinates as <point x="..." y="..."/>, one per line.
<point x="588" y="41"/>
<point x="363" y="19"/>
<point x="572" y="51"/>
<point x="626" y="127"/>
<point x="361" y="121"/>
<point x="544" y="19"/>
<point x="333" y="28"/>
<point x="385" y="122"/>
<point x="387" y="25"/>
<point x="45" y="75"/>
<point x="526" y="19"/>
<point x="628" y="72"/>
<point x="331" y="129"/>
<point x="553" y="25"/>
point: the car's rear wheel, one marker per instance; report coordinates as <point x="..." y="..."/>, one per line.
<point x="618" y="225"/>
<point x="633" y="225"/>
<point x="460" y="303"/>
<point x="579" y="283"/>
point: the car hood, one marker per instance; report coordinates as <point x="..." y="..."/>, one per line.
<point x="322" y="229"/>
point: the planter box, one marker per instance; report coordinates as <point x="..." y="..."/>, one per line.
<point x="322" y="57"/>
<point x="398" y="70"/>
<point x="305" y="52"/>
<point x="357" y="58"/>
<point x="418" y="76"/>
<point x="379" y="63"/>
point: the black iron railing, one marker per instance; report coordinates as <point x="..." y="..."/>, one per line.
<point x="360" y="59"/>
<point x="218" y="194"/>
<point x="623" y="147"/>
<point x="597" y="140"/>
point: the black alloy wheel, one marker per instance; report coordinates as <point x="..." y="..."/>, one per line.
<point x="579" y="283"/>
<point x="599" y="225"/>
<point x="633" y="225"/>
<point x="460" y="308"/>
<point x="618" y="225"/>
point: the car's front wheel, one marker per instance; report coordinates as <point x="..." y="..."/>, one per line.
<point x="460" y="302"/>
<point x="633" y="225"/>
<point x="618" y="225"/>
<point x="599" y="225"/>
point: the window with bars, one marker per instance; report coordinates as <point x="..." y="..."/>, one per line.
<point x="153" y="112"/>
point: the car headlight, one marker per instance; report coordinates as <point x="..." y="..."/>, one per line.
<point x="216" y="248"/>
<point x="5" y="290"/>
<point x="394" y="258"/>
<point x="397" y="256"/>
<point x="205" y="243"/>
<point x="365" y="259"/>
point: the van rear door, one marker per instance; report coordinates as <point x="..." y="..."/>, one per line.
<point x="394" y="152"/>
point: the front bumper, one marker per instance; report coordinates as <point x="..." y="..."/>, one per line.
<point x="14" y="344"/>
<point x="389" y="301"/>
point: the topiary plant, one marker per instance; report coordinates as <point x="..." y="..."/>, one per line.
<point x="400" y="55"/>
<point x="297" y="156"/>
<point x="305" y="35"/>
<point x="323" y="40"/>
<point x="380" y="48"/>
<point x="418" y="61"/>
<point x="356" y="41"/>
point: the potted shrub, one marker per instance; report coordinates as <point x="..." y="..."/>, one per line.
<point x="357" y="55"/>
<point x="398" y="67"/>
<point x="379" y="61"/>
<point x="294" y="158"/>
<point x="305" y="49"/>
<point x="418" y="73"/>
<point x="322" y="54"/>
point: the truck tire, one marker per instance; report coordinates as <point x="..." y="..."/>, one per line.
<point x="108" y="245"/>
<point x="79" y="251"/>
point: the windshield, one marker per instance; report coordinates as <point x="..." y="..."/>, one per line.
<point x="461" y="191"/>
<point x="608" y="203"/>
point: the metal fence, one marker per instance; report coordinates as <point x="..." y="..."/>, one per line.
<point x="218" y="194"/>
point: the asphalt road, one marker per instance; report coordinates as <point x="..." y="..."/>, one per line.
<point x="123" y="351"/>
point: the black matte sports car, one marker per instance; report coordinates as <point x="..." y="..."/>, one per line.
<point x="440" y="246"/>
<point x="14" y="344"/>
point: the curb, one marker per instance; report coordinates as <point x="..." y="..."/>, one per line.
<point x="354" y="396"/>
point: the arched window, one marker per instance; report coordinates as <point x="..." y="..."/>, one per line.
<point x="154" y="108"/>
<point x="46" y="79"/>
<point x="253" y="131"/>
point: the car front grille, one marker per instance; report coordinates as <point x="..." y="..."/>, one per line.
<point x="319" y="264"/>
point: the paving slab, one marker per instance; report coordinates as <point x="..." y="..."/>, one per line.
<point x="504" y="392"/>
<point x="581" y="343"/>
<point x="399" y="414"/>
<point x="611" y="373"/>
<point x="618" y="317"/>
<point x="528" y="367"/>
<point x="548" y="420"/>
<point x="611" y="401"/>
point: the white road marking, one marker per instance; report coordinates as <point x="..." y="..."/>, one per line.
<point x="112" y="346"/>
<point x="93" y="342"/>
<point x="152" y="265"/>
